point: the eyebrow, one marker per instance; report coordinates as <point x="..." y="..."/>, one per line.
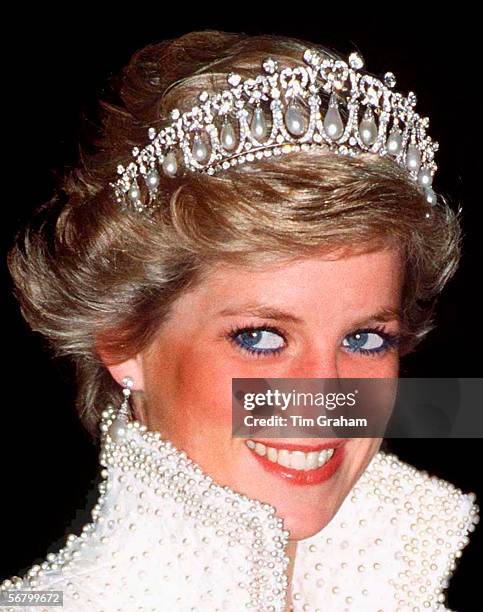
<point x="271" y="312"/>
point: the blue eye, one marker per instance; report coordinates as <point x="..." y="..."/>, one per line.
<point x="258" y="340"/>
<point x="369" y="341"/>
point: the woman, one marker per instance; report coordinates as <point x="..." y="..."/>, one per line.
<point x="214" y="250"/>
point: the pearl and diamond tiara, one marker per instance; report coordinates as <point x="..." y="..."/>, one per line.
<point x="233" y="127"/>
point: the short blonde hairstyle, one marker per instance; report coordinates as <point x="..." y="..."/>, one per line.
<point x="89" y="276"/>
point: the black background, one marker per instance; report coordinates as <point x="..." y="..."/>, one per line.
<point x="54" y="68"/>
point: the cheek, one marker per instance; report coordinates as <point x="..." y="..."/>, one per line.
<point x="362" y="450"/>
<point x="202" y="386"/>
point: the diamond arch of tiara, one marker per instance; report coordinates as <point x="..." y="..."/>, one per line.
<point x="231" y="127"/>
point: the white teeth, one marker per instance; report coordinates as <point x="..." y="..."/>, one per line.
<point x="283" y="457"/>
<point x="297" y="460"/>
<point x="261" y="449"/>
<point x="325" y="455"/>
<point x="272" y="454"/>
<point x="311" y="462"/>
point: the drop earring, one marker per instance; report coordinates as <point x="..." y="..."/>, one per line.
<point x="118" y="428"/>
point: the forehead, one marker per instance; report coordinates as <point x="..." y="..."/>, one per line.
<point x="349" y="282"/>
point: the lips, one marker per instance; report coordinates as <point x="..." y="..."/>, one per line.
<point x="299" y="464"/>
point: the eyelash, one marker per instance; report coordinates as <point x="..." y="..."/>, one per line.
<point x="391" y="340"/>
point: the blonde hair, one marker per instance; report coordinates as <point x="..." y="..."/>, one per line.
<point x="88" y="275"/>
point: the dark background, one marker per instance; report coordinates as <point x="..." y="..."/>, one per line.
<point x="52" y="76"/>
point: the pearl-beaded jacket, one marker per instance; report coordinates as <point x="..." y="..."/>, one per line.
<point x="166" y="537"/>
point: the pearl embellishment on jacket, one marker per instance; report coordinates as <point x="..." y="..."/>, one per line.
<point x="165" y="536"/>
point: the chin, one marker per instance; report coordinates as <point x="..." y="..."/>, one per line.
<point x="305" y="516"/>
<point x="300" y="528"/>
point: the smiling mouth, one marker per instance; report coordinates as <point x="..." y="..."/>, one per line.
<point x="298" y="466"/>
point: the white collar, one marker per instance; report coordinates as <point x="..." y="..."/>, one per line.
<point x="165" y="536"/>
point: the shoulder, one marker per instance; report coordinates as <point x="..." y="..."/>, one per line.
<point x="430" y="504"/>
<point x="43" y="586"/>
<point x="396" y="538"/>
<point x="76" y="570"/>
<point x="428" y="521"/>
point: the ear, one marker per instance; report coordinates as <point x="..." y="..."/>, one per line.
<point x="131" y="367"/>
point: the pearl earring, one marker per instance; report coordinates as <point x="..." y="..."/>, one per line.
<point x="118" y="428"/>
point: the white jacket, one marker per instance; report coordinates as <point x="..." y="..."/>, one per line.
<point x="166" y="537"/>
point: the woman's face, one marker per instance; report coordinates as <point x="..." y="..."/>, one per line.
<point x="306" y="316"/>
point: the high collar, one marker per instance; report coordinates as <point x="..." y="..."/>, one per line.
<point x="166" y="536"/>
<point x="248" y="530"/>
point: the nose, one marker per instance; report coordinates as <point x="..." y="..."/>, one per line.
<point x="315" y="363"/>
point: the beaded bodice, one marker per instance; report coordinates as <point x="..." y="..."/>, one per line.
<point x="165" y="536"/>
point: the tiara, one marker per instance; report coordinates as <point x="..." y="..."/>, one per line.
<point x="280" y="111"/>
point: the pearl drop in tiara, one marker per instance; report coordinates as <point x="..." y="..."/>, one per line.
<point x="280" y="111"/>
